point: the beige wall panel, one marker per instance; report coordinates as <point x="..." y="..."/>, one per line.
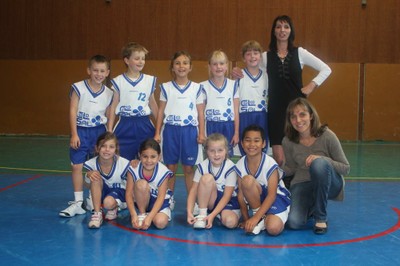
<point x="382" y="101"/>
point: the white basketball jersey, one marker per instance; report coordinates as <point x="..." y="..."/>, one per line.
<point x="253" y="92"/>
<point x="224" y="175"/>
<point x="116" y="178"/>
<point x="160" y="173"/>
<point x="134" y="95"/>
<point x="264" y="171"/>
<point x="181" y="107"/>
<point x="219" y="101"/>
<point x="92" y="105"/>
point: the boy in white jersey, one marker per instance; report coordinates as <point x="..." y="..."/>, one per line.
<point x="253" y="91"/>
<point x="182" y="113"/>
<point x="260" y="186"/>
<point x="90" y="102"/>
<point x="134" y="102"/>
<point x="221" y="101"/>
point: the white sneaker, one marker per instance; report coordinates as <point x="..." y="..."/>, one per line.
<point x="88" y="204"/>
<point x="75" y="207"/>
<point x="172" y="203"/>
<point x="259" y="227"/>
<point x="141" y="218"/>
<point x="196" y="209"/>
<point x="96" y="220"/>
<point x="112" y="214"/>
<point x="200" y="223"/>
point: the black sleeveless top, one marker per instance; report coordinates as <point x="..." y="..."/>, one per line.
<point x="284" y="85"/>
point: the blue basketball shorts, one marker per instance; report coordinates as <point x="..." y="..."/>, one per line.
<point x="179" y="144"/>
<point x="88" y="137"/>
<point x="131" y="132"/>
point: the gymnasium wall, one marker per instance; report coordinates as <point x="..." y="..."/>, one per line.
<point x="45" y="46"/>
<point x="36" y="96"/>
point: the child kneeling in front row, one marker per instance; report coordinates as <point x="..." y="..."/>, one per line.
<point x="261" y="186"/>
<point x="107" y="173"/>
<point x="215" y="186"/>
<point x="147" y="189"/>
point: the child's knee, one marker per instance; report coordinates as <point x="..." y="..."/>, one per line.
<point x="230" y="221"/>
<point x="110" y="203"/>
<point x="160" y="222"/>
<point x="206" y="179"/>
<point x="248" y="181"/>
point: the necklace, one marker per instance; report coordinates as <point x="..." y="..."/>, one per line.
<point x="282" y="54"/>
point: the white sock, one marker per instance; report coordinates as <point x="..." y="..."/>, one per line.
<point x="255" y="210"/>
<point x="78" y="195"/>
<point x="203" y="211"/>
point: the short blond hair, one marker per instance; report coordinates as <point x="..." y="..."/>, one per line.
<point x="217" y="56"/>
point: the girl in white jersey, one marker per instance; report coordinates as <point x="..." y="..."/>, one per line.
<point x="181" y="111"/>
<point x="147" y="188"/>
<point x="107" y="174"/>
<point x="215" y="186"/>
<point x="221" y="99"/>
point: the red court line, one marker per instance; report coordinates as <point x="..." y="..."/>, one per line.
<point x="341" y="242"/>
<point x="20" y="182"/>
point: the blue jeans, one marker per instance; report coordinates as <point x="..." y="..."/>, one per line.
<point x="310" y="199"/>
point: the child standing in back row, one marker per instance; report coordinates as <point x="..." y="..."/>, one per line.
<point x="253" y="91"/>
<point x="221" y="101"/>
<point x="90" y="102"/>
<point x="134" y="102"/>
<point x="182" y="113"/>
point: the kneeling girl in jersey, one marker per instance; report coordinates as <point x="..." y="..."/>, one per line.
<point x="260" y="186"/>
<point x="214" y="186"/>
<point x="107" y="173"/>
<point x="147" y="189"/>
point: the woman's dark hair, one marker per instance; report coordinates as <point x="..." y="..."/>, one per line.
<point x="272" y="44"/>
<point x="316" y="129"/>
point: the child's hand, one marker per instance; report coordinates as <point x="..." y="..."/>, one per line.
<point x="75" y="142"/>
<point x="237" y="73"/>
<point x="135" y="163"/>
<point x="190" y="218"/>
<point x="157" y="138"/>
<point x="201" y="139"/>
<point x="250" y="224"/>
<point x="235" y="140"/>
<point x="209" y="221"/>
<point x="135" y="222"/>
<point x="94" y="176"/>
<point x="146" y="223"/>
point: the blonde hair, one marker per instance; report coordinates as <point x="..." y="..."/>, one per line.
<point x="251" y="46"/>
<point x="217" y="56"/>
<point x="217" y="137"/>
